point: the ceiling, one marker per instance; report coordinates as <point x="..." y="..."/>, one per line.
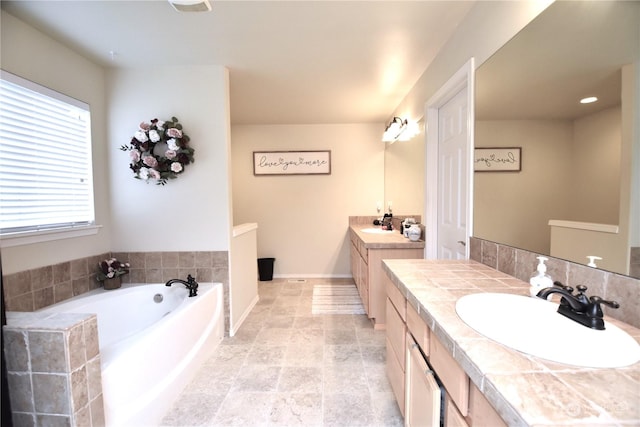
<point x="290" y="62"/>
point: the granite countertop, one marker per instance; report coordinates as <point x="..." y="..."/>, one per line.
<point x="525" y="390"/>
<point x="393" y="240"/>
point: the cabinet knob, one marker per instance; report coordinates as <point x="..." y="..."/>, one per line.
<point x="462" y="242"/>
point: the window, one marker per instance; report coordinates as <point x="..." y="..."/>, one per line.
<point x="46" y="179"/>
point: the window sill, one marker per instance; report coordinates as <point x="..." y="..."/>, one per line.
<point x="31" y="237"/>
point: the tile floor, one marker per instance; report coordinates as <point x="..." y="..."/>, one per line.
<point x="287" y="367"/>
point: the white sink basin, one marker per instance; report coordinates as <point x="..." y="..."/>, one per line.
<point x="376" y="231"/>
<point x="532" y="326"/>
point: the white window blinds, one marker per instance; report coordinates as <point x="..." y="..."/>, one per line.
<point x="45" y="158"/>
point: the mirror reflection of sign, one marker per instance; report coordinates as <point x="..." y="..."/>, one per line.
<point x="497" y="159"/>
<point x="291" y="162"/>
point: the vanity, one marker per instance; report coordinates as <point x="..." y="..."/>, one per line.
<point x="479" y="381"/>
<point x="367" y="250"/>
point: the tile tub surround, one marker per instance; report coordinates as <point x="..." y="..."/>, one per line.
<point x="34" y="289"/>
<point x="522" y="264"/>
<point x="525" y="390"/>
<point x="54" y="372"/>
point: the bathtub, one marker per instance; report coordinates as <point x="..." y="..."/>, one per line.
<point x="153" y="338"/>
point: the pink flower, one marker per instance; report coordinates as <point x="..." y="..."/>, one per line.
<point x="154" y="136"/>
<point x="135" y="156"/>
<point x="145" y="126"/>
<point x="170" y="154"/>
<point x="176" y="167"/>
<point x="150" y="161"/>
<point x="174" y="133"/>
<point x="154" y="174"/>
<point x="141" y="136"/>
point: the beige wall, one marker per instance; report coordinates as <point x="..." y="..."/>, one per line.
<point x="36" y="57"/>
<point x="192" y="212"/>
<point x="303" y="220"/>
<point x="515" y="207"/>
<point x="595" y="164"/>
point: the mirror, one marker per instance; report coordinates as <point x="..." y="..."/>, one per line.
<point x="577" y="158"/>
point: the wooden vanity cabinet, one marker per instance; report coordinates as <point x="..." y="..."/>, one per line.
<point x="413" y="379"/>
<point x="369" y="277"/>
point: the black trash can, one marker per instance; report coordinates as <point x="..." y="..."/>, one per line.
<point x="265" y="268"/>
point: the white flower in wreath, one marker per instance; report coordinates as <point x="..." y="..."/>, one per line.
<point x="154" y="174"/>
<point x="171" y="143"/>
<point x="170" y="154"/>
<point x="144" y="173"/>
<point x="141" y="136"/>
<point x="154" y="136"/>
<point x="176" y="167"/>
<point x="160" y="124"/>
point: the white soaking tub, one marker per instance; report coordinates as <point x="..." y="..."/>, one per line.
<point x="153" y="338"/>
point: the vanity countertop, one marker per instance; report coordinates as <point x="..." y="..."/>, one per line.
<point x="393" y="240"/>
<point x="525" y="390"/>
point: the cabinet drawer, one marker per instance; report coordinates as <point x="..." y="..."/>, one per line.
<point x="453" y="418"/>
<point x="451" y="374"/>
<point x="395" y="373"/>
<point x="396" y="297"/>
<point x="396" y="331"/>
<point x="481" y="412"/>
<point x="418" y="329"/>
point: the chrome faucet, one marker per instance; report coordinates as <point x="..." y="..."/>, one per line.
<point x="190" y="283"/>
<point x="578" y="307"/>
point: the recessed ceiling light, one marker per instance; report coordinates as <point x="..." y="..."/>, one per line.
<point x="588" y="100"/>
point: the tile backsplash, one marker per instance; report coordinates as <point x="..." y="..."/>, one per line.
<point x="37" y="288"/>
<point x="521" y="264"/>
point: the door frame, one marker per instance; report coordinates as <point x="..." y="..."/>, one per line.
<point x="463" y="79"/>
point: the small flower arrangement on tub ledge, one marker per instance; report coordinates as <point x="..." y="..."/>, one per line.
<point x="110" y="272"/>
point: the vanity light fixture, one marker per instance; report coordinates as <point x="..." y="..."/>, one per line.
<point x="400" y="130"/>
<point x="588" y="100"/>
<point x="191" y="5"/>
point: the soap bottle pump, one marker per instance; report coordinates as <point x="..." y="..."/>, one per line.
<point x="540" y="280"/>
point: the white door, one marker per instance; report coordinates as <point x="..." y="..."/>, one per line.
<point x="452" y="178"/>
<point x="449" y="176"/>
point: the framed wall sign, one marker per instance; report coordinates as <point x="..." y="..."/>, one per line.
<point x="292" y="162"/>
<point x="497" y="159"/>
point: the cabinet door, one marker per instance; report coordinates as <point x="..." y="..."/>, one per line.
<point x="422" y="393"/>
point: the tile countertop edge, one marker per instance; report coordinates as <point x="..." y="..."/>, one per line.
<point x="486" y="381"/>
<point x="393" y="240"/>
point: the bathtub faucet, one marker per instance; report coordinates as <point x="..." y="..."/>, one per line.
<point x="190" y="283"/>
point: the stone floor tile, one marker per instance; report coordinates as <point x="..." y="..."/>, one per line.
<point x="296" y="409"/>
<point x="304" y="337"/>
<point x="278" y="321"/>
<point x="266" y="355"/>
<point x="273" y="336"/>
<point x="245" y="409"/>
<point x="195" y="409"/>
<point x="340" y="336"/>
<point x="300" y="379"/>
<point x="347" y="409"/>
<point x="343" y="354"/>
<point x="308" y="322"/>
<point x="373" y="354"/>
<point x="343" y="378"/>
<point x="386" y="411"/>
<point x="306" y="355"/>
<point x="257" y="378"/>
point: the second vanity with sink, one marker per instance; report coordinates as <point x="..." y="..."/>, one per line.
<point x="369" y="246"/>
<point x="486" y="383"/>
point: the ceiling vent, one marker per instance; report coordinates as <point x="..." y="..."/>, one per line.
<point x="191" y="5"/>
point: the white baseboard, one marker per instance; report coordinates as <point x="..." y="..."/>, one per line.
<point x="234" y="328"/>
<point x="312" y="276"/>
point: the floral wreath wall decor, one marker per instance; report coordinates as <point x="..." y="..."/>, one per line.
<point x="159" y="150"/>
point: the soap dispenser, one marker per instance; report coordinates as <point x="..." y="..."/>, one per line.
<point x="540" y="280"/>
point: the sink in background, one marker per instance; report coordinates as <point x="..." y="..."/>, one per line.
<point x="376" y="231"/>
<point x="532" y="326"/>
